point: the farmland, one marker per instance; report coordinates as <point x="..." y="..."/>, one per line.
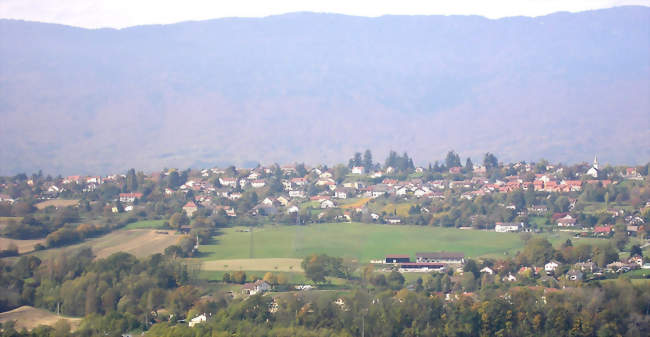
<point x="139" y="242"/>
<point x="56" y="203"/>
<point x="24" y="246"/>
<point x="278" y="264"/>
<point x="146" y="224"/>
<point x="363" y="242"/>
<point x="29" y="317"/>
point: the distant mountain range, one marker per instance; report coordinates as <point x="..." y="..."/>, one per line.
<point x="318" y="87"/>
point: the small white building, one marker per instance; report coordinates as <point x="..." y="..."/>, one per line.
<point x="510" y="278"/>
<point x="297" y="193"/>
<point x="551" y="267"/>
<point x="487" y="270"/>
<point x="501" y="227"/>
<point x="258" y="286"/>
<point x="358" y="170"/>
<point x="327" y="204"/>
<point x="197" y="320"/>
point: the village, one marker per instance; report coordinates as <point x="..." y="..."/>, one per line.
<point x="295" y="193"/>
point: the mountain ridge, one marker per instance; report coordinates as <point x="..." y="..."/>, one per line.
<point x="275" y="90"/>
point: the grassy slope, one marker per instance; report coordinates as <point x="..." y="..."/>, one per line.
<point x="145" y="224"/>
<point x="360" y="241"/>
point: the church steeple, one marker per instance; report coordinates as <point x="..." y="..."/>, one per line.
<point x="595" y="162"/>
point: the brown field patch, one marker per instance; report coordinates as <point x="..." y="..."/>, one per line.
<point x="24" y="246"/>
<point x="139" y="242"/>
<point x="278" y="264"/>
<point x="29" y="317"/>
<point x="356" y="204"/>
<point x="57" y="203"/>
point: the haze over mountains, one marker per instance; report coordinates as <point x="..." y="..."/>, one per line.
<point x="318" y="87"/>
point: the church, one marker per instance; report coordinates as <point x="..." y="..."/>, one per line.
<point x="593" y="171"/>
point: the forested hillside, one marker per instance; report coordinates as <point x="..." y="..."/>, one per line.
<point x="313" y="87"/>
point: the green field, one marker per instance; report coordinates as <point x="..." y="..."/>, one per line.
<point x="155" y="224"/>
<point x="293" y="278"/>
<point x="363" y="242"/>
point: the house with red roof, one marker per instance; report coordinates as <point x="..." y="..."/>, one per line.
<point x="130" y="197"/>
<point x="605" y="230"/>
<point x="190" y="208"/>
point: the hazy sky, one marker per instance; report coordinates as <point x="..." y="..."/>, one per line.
<point x="124" y="13"/>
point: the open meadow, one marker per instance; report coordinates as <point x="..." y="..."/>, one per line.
<point x="28" y="317"/>
<point x="363" y="242"/>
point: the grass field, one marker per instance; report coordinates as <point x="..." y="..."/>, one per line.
<point x="402" y="209"/>
<point x="292" y="277"/>
<point x="24" y="246"/>
<point x="599" y="207"/>
<point x="155" y="224"/>
<point x="56" y="203"/>
<point x="139" y="242"/>
<point x="355" y="203"/>
<point x="277" y="264"/>
<point x="359" y="241"/>
<point x="29" y="317"/>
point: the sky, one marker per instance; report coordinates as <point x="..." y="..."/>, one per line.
<point x="126" y="13"/>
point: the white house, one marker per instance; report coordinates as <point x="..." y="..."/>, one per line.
<point x="510" y="278"/>
<point x="293" y="209"/>
<point x="401" y="191"/>
<point x="327" y="204"/>
<point x="358" y="170"/>
<point x="341" y="193"/>
<point x="254" y="288"/>
<point x="267" y="202"/>
<point x="487" y="270"/>
<point x="258" y="183"/>
<point x="297" y="193"/>
<point x="551" y="267"/>
<point x="225" y="181"/>
<point x="196" y="320"/>
<point x="566" y="221"/>
<point x="420" y="193"/>
<point x="506" y="227"/>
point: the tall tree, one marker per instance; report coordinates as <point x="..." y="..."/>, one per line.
<point x="469" y="166"/>
<point x="490" y="161"/>
<point x="452" y="159"/>
<point x="355" y="161"/>
<point x="367" y="160"/>
<point x="131" y="181"/>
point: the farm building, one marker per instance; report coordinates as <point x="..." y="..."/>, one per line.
<point x="426" y="266"/>
<point x="398" y="258"/>
<point x="258" y="286"/>
<point x="440" y="257"/>
<point x="503" y="227"/>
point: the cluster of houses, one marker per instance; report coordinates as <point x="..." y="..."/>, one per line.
<point x="331" y="192"/>
<point x="424" y="262"/>
<point x="575" y="272"/>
